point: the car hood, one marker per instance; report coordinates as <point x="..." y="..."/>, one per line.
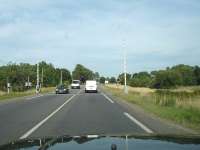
<point x="95" y="142"/>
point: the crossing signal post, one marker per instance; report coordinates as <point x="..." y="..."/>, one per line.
<point x="38" y="80"/>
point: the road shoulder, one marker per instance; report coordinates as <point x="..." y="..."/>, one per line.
<point x="158" y="125"/>
<point x="22" y="98"/>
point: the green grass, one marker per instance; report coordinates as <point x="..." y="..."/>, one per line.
<point x="47" y="89"/>
<point x="25" y="93"/>
<point x="174" y="106"/>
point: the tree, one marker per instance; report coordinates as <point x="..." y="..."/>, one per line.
<point x="112" y="80"/>
<point x="51" y="75"/>
<point x="187" y="74"/>
<point x="66" y="76"/>
<point x="197" y="74"/>
<point x="120" y="78"/>
<point x="102" y="80"/>
<point x="141" y="79"/>
<point x="96" y="76"/>
<point x="82" y="73"/>
<point x="179" y="75"/>
<point x="166" y="79"/>
<point x="18" y="74"/>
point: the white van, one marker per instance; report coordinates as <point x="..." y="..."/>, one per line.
<point x="91" y="86"/>
<point x="75" y="84"/>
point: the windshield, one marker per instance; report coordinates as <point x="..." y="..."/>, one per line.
<point x="61" y="86"/>
<point x="76" y="82"/>
<point x="99" y="67"/>
<point x="91" y="82"/>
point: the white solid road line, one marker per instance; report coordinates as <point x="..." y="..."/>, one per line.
<point x="138" y="123"/>
<point x="110" y="100"/>
<point x="48" y="117"/>
<point x="44" y="120"/>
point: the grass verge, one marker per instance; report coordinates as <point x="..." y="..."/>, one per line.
<point x="30" y="92"/>
<point x="179" y="107"/>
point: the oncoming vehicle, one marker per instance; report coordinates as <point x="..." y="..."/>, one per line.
<point x="62" y="89"/>
<point x="91" y="86"/>
<point x="75" y="84"/>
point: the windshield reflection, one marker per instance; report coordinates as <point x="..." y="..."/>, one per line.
<point x="47" y="143"/>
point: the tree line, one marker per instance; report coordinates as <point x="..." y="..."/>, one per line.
<point x="179" y="75"/>
<point x="18" y="74"/>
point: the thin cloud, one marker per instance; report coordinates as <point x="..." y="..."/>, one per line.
<point x="156" y="33"/>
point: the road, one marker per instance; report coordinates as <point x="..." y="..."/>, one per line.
<point x="77" y="113"/>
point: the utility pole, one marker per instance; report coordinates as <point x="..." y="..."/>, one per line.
<point x="61" y="77"/>
<point x="38" y="80"/>
<point x="125" y="82"/>
<point x="28" y="80"/>
<point x="28" y="83"/>
<point x="125" y="70"/>
<point x="42" y="78"/>
<point x="8" y="86"/>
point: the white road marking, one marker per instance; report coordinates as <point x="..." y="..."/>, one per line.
<point x="138" y="123"/>
<point x="28" y="98"/>
<point x="110" y="100"/>
<point x="79" y="92"/>
<point x="61" y="94"/>
<point x="44" y="120"/>
<point x="48" y="117"/>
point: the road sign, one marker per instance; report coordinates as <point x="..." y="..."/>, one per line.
<point x="28" y="84"/>
<point x="8" y="85"/>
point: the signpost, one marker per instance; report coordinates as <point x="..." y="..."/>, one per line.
<point x="8" y="87"/>
<point x="28" y="84"/>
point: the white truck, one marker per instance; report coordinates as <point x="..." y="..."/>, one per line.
<point x="91" y="86"/>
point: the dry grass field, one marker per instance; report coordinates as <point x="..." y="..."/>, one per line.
<point x="181" y="105"/>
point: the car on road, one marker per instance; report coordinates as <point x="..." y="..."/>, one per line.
<point x="62" y="89"/>
<point x="75" y="84"/>
<point x="91" y="86"/>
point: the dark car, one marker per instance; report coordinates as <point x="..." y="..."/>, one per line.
<point x="62" y="89"/>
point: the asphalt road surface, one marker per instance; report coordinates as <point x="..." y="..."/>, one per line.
<point x="77" y="113"/>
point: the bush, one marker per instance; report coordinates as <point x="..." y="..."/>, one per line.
<point x="102" y="80"/>
<point x="142" y="79"/>
<point x="166" y="79"/>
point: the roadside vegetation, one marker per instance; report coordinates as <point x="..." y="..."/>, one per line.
<point x="30" y="92"/>
<point x="19" y="74"/>
<point x="169" y="78"/>
<point x="180" y="105"/>
<point x="82" y="73"/>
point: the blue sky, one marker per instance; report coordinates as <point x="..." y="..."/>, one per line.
<point x="156" y="33"/>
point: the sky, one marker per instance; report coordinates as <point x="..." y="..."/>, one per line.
<point x="154" y="33"/>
